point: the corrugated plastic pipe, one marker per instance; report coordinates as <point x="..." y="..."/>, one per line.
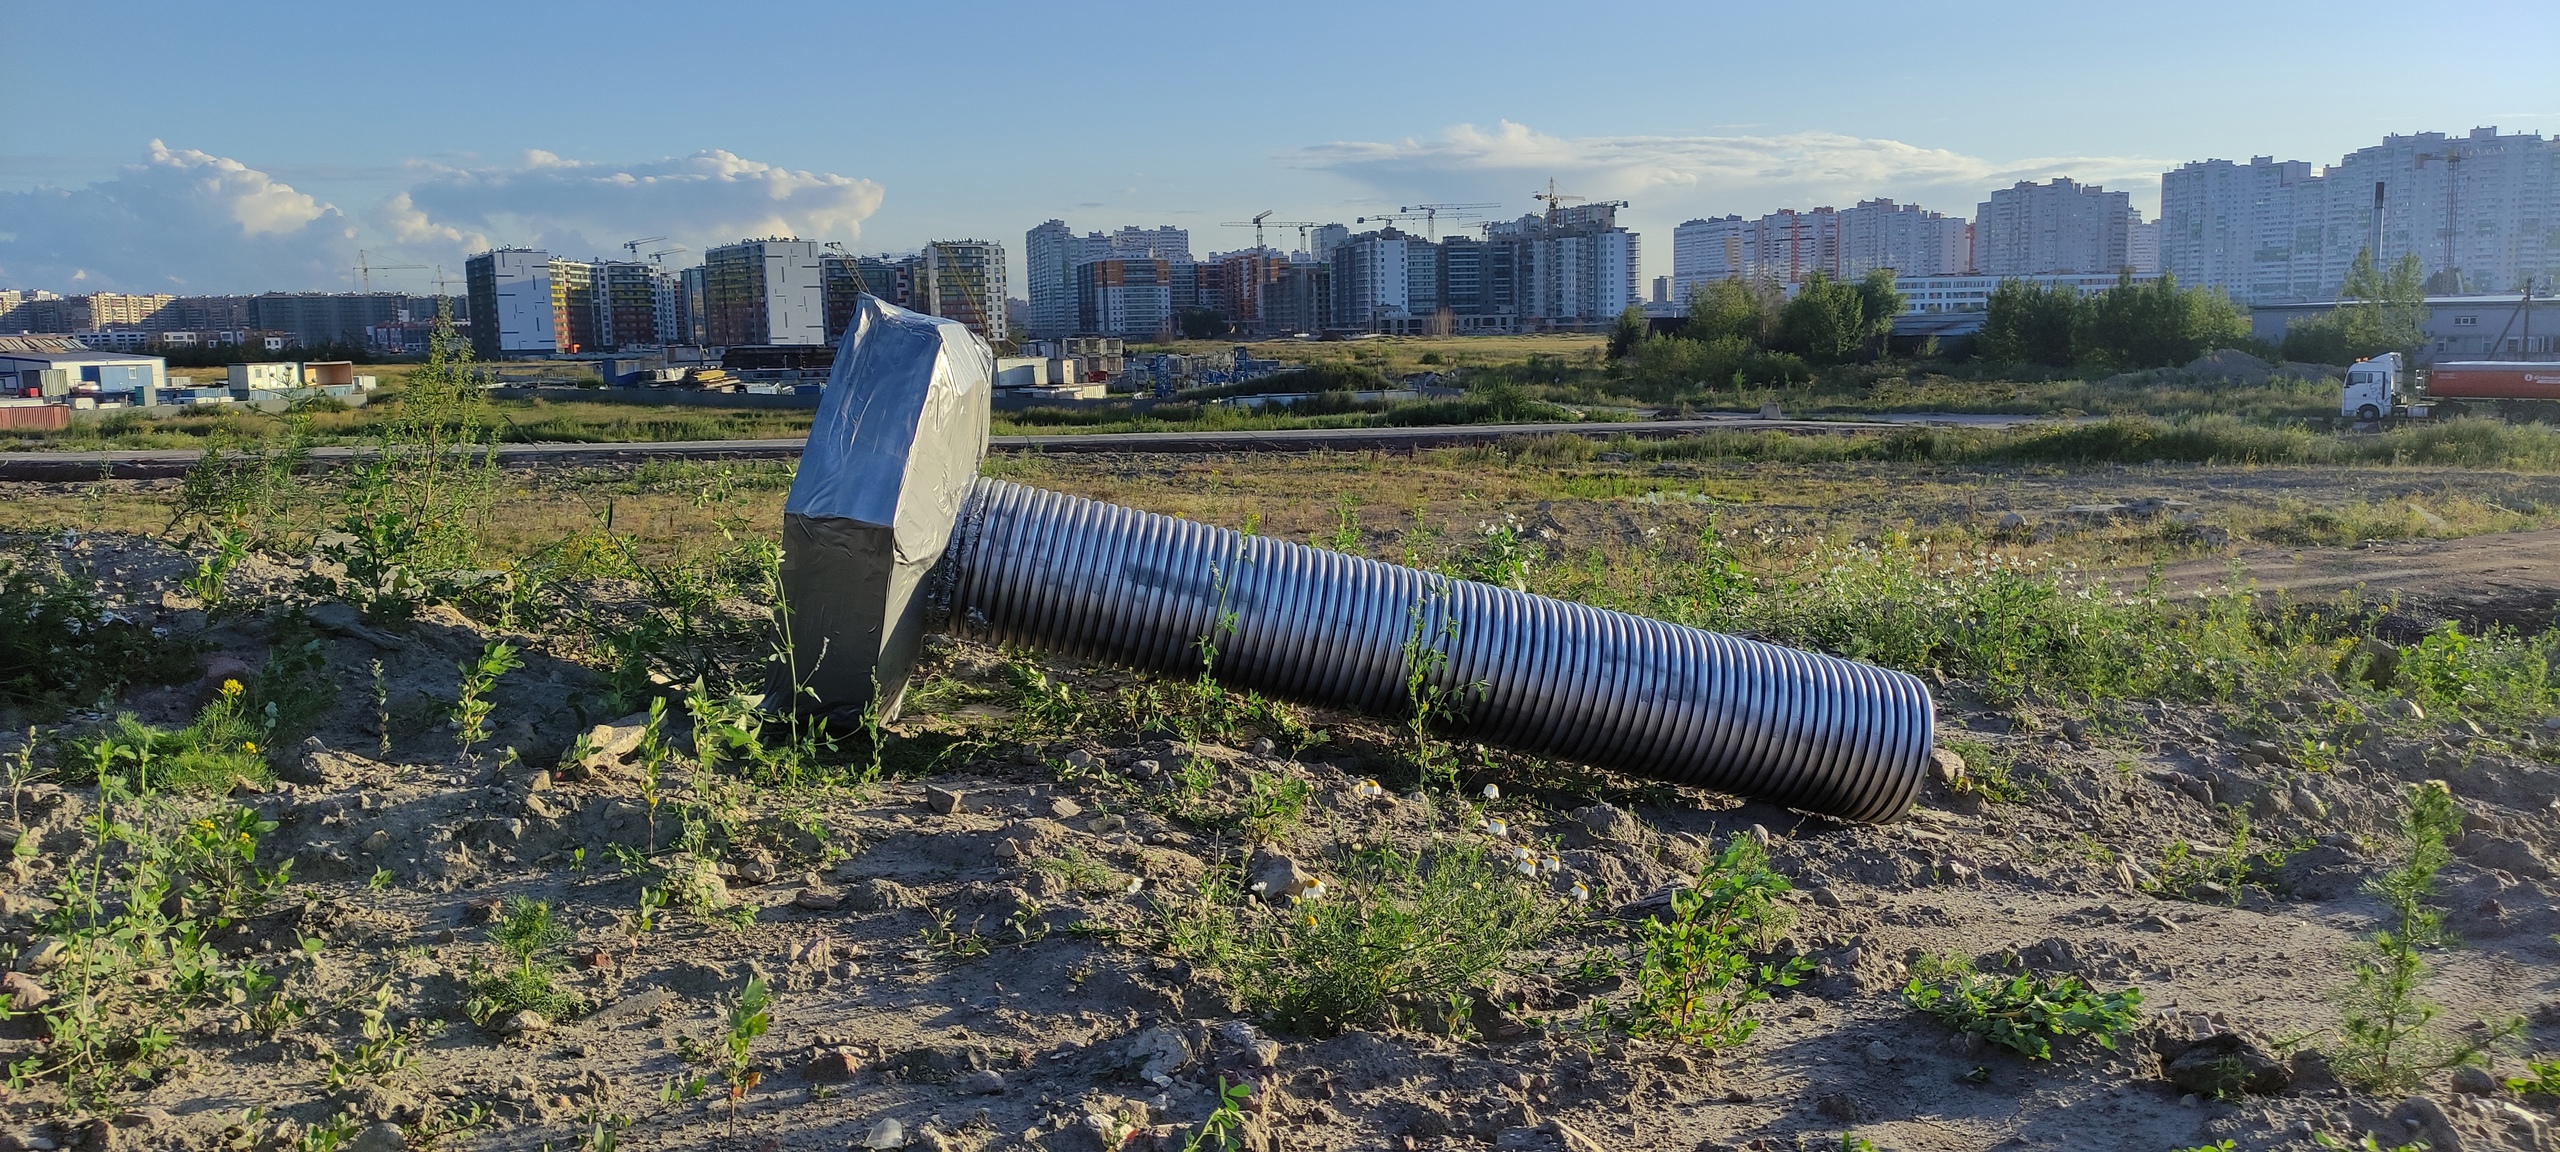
<point x="1115" y="585"/>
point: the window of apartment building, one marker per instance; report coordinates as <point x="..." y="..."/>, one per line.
<point x="2466" y="321"/>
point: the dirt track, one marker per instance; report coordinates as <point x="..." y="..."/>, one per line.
<point x="2511" y="578"/>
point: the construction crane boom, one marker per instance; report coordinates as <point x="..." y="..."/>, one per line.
<point x="365" y="270"/>
<point x="1263" y="218"/>
<point x="1555" y="200"/>
<point x="1431" y="214"/>
<point x="633" y="246"/>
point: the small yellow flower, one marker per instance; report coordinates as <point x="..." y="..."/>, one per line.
<point x="249" y="746"/>
<point x="230" y="687"/>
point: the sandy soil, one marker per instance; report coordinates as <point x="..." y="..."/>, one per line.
<point x="1049" y="1043"/>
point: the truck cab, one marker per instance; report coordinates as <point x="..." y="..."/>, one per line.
<point x="2373" y="388"/>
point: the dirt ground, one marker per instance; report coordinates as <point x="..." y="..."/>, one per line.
<point x="1076" y="1029"/>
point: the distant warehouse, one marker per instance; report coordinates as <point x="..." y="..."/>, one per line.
<point x="56" y="368"/>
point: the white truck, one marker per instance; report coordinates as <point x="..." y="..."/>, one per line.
<point x="2377" y="388"/>
<point x="2383" y="388"/>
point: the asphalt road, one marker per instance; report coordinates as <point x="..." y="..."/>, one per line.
<point x="142" y="464"/>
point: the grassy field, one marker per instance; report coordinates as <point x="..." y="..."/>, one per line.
<point x="1508" y="379"/>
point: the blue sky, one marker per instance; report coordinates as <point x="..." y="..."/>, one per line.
<point x="211" y="148"/>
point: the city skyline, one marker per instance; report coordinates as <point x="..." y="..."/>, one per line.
<point x="1346" y="118"/>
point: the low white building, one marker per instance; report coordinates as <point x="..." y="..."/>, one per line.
<point x="1972" y="293"/>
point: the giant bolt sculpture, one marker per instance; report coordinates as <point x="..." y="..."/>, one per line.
<point x="889" y="533"/>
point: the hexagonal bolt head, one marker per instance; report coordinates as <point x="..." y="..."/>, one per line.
<point x="898" y="439"/>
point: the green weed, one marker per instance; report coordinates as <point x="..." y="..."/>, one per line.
<point x="1080" y="872"/>
<point x="471" y="711"/>
<point x="2024" y="1013"/>
<point x="2498" y="676"/>
<point x="125" y="973"/>
<point x="1402" y="930"/>
<point x="1223" y="1130"/>
<point x="2387" y="1038"/>
<point x="2541" y="1078"/>
<point x="524" y="933"/>
<point x="209" y="583"/>
<point x="749" y="1018"/>
<point x="413" y="513"/>
<point x="2218" y="876"/>
<point x="59" y="646"/>
<point x="1697" y="981"/>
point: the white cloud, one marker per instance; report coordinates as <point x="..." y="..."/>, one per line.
<point x="582" y="208"/>
<point x="181" y="221"/>
<point x="187" y="221"/>
<point x="1701" y="175"/>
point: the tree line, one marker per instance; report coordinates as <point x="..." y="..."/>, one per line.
<point x="2124" y="328"/>
<point x="1753" y="334"/>
<point x="2377" y="312"/>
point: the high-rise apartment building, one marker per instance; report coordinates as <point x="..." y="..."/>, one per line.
<point x="1576" y="268"/>
<point x="1130" y="299"/>
<point x="1325" y="240"/>
<point x="2062" y="226"/>
<point x="1235" y="284"/>
<point x="2478" y="211"/>
<point x="963" y="280"/>
<point x="2142" y="244"/>
<point x="842" y="274"/>
<point x="573" y="306"/>
<point x="511" y="308"/>
<point x="769" y="291"/>
<point x="1054" y="252"/>
<point x="692" y="327"/>
<point x="1372" y="280"/>
<point x="1049" y="254"/>
<point x="633" y="304"/>
<point x="1787" y="246"/>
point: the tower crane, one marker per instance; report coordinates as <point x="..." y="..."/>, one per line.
<point x="1263" y="218"/>
<point x="366" y="269"/>
<point x="670" y="250"/>
<point x="1387" y="217"/>
<point x="633" y="246"/>
<point x="1431" y="214"/>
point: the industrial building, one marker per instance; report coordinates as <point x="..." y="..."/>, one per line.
<point x="2504" y="326"/>
<point x="56" y="369"/>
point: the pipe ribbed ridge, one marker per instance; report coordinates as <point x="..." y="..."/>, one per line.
<point x="1114" y="585"/>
